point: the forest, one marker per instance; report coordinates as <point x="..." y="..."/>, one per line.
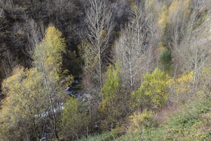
<point x="105" y="70"/>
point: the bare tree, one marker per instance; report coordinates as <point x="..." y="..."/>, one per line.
<point x="131" y="49"/>
<point x="194" y="51"/>
<point x="35" y="34"/>
<point x="198" y="4"/>
<point x="8" y="62"/>
<point x="97" y="34"/>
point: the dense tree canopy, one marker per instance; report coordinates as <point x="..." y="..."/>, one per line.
<point x="31" y="93"/>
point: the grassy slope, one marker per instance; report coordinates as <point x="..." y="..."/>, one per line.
<point x="191" y="122"/>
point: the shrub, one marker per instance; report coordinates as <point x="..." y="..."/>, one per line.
<point x="74" y="120"/>
<point x="141" y="121"/>
<point x="154" y="89"/>
<point x="180" y="88"/>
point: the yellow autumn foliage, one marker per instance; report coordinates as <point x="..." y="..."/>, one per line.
<point x="139" y="120"/>
<point x="179" y="9"/>
<point x="181" y="86"/>
<point x="163" y="18"/>
<point x="153" y="91"/>
<point x="174" y="5"/>
<point x="48" y="54"/>
<point x="103" y="32"/>
<point x="24" y="91"/>
<point x="161" y="47"/>
<point x="132" y="5"/>
<point x="186" y="6"/>
<point x="183" y="82"/>
<point x="31" y="92"/>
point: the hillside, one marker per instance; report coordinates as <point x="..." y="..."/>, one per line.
<point x="97" y="70"/>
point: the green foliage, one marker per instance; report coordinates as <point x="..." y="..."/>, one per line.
<point x="112" y="84"/>
<point x="192" y="122"/>
<point x="154" y="89"/>
<point x="110" y="94"/>
<point x="74" y="120"/>
<point x="105" y="136"/>
<point x="30" y="92"/>
<point x="165" y="60"/>
<point x="118" y="130"/>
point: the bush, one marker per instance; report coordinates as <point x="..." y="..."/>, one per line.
<point x="180" y="87"/>
<point x="153" y="91"/>
<point x="141" y="121"/>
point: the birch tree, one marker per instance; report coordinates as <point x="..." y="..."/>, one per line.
<point x="130" y="49"/>
<point x="194" y="51"/>
<point x="96" y="40"/>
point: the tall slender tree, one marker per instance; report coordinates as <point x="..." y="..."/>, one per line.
<point x="96" y="40"/>
<point x="131" y="48"/>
